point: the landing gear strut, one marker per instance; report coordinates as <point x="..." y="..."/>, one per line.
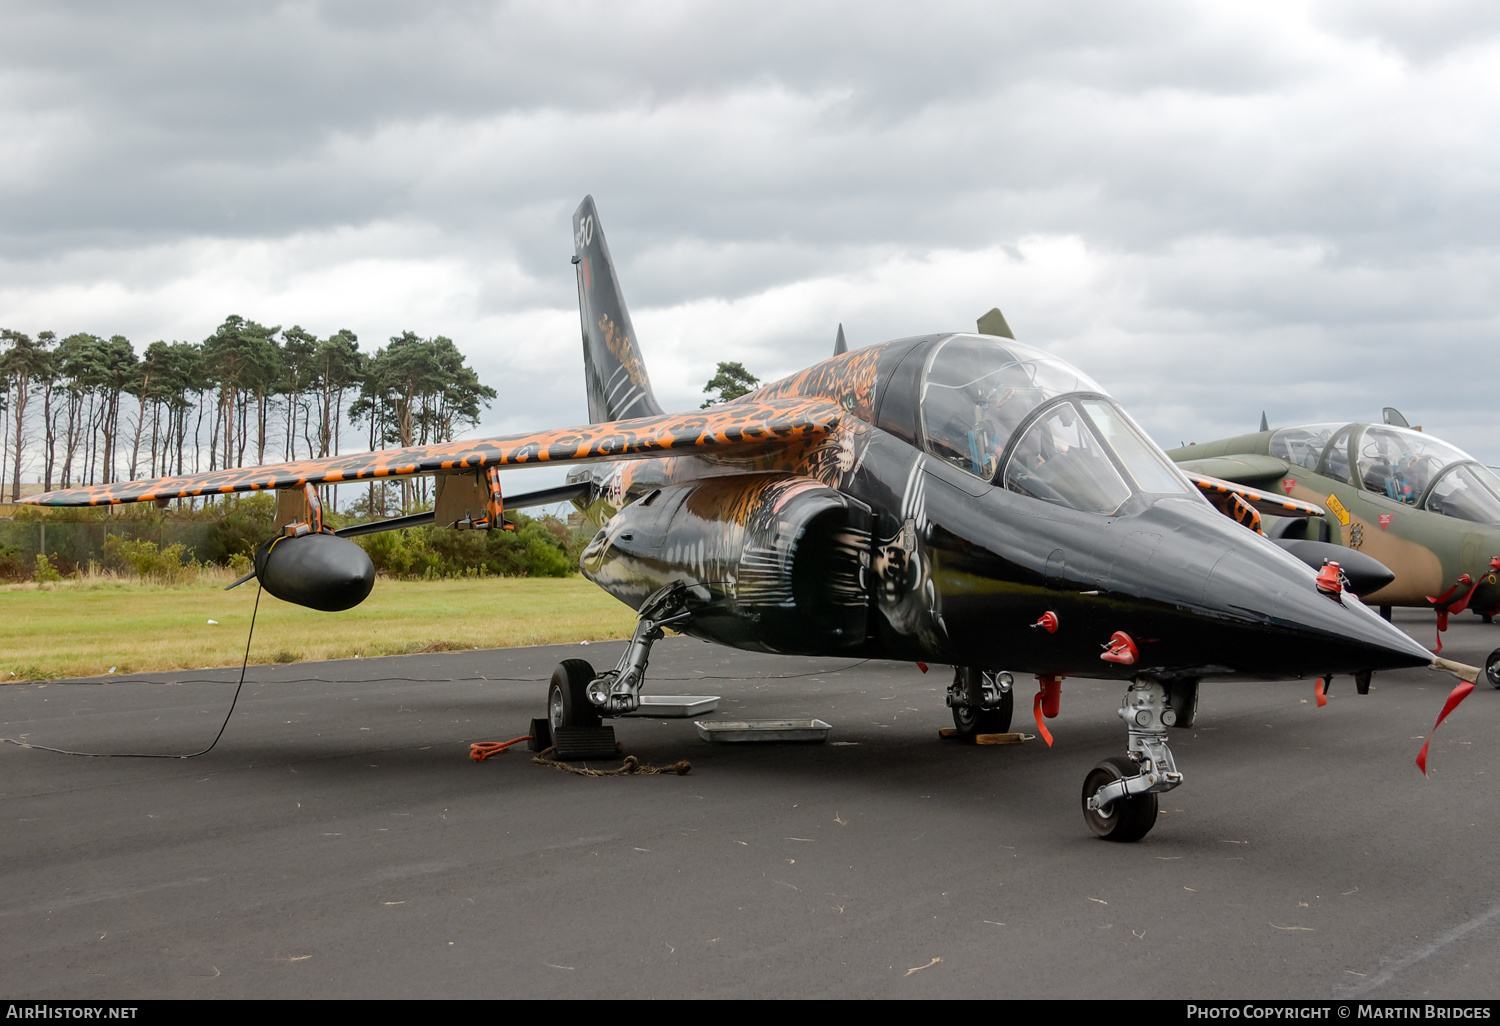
<point x="1119" y="794"/>
<point x="578" y="697"/>
<point x="982" y="701"/>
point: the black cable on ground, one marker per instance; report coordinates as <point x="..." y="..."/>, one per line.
<point x="245" y="663"/>
<point x="145" y="755"/>
<point x="419" y="680"/>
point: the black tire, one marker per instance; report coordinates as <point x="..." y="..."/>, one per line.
<point x="1492" y="668"/>
<point x="1124" y="819"/>
<point x="970" y="722"/>
<point x="568" y="705"/>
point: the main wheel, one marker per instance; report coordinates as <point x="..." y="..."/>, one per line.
<point x="1124" y="819"/>
<point x="1492" y="668"/>
<point x="568" y="704"/>
<point x="971" y="720"/>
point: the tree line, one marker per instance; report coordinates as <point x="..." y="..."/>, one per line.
<point x="84" y="410"/>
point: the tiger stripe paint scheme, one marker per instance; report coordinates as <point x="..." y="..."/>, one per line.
<point x="743" y="430"/>
<point x="1218" y="490"/>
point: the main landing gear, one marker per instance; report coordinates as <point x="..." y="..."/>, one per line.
<point x="1119" y="794"/>
<point x="982" y="701"/>
<point x="577" y="697"/>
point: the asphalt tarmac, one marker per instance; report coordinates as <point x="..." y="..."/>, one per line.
<point x="339" y="842"/>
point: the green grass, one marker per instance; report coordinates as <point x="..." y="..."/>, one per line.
<point x="83" y="628"/>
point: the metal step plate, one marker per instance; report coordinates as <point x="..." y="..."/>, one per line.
<point x="676" y="706"/>
<point x="763" y="730"/>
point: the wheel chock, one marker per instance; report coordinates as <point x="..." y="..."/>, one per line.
<point x="541" y="735"/>
<point x="584" y="743"/>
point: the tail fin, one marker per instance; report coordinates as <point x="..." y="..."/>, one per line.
<point x="613" y="370"/>
<point x="840" y="347"/>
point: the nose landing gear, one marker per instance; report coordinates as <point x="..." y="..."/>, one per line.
<point x="1119" y="794"/>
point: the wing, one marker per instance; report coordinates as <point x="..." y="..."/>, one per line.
<point x="1248" y="469"/>
<point x="734" y="429"/>
<point x="1219" y="491"/>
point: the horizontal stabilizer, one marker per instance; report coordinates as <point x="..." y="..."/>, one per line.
<point x="993" y="323"/>
<point x="733" y="429"/>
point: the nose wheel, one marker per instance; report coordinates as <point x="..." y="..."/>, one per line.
<point x="1124" y="819"/>
<point x="1119" y="794"/>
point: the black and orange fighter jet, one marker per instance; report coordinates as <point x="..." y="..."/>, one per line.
<point x="952" y="498"/>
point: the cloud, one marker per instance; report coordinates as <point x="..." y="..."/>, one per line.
<point x="1214" y="210"/>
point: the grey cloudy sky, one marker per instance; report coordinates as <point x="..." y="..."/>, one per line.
<point x="1213" y="209"/>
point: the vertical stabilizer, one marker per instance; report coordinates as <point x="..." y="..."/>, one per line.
<point x="993" y="323"/>
<point x="1264" y="426"/>
<point x="613" y="370"/>
<point x="840" y="347"/>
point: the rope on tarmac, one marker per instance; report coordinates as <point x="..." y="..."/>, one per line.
<point x="482" y="750"/>
<point x="632" y="767"/>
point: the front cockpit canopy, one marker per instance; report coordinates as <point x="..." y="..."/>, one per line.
<point x="988" y="403"/>
<point x="1084" y="453"/>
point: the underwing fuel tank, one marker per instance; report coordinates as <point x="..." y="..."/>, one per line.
<point x="1365" y="574"/>
<point x="319" y="571"/>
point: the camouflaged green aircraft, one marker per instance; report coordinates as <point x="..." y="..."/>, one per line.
<point x="1424" y="508"/>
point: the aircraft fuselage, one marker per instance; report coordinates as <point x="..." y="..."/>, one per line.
<point x="867" y="544"/>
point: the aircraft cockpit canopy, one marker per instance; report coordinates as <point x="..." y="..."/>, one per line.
<point x="1303" y="446"/>
<point x="1081" y="451"/>
<point x="976" y="390"/>
<point x="1084" y="453"/>
<point x="1401" y="464"/>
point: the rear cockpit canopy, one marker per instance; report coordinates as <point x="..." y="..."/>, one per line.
<point x="1399" y="463"/>
<point x="976" y="390"/>
<point x="989" y="403"/>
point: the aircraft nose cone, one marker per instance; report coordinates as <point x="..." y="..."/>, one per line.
<point x="1321" y="633"/>
<point x="1253" y="610"/>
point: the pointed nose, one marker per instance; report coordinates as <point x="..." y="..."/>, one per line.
<point x="1254" y="610"/>
<point x="1262" y="587"/>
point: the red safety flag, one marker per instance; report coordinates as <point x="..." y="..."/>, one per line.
<point x="1456" y="696"/>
